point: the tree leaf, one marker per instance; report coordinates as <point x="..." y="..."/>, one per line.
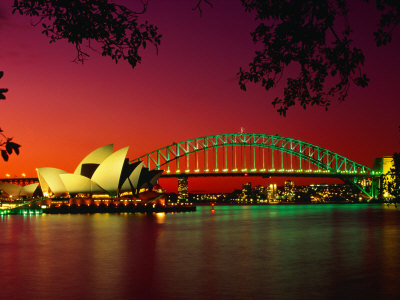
<point x="15" y="147"/>
<point x="4" y="155"/>
<point x="9" y="147"/>
<point x="2" y="91"/>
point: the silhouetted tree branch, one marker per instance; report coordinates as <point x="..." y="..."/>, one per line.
<point x="303" y="34"/>
<point x="7" y="146"/>
<point x="199" y="3"/>
<point x="114" y="28"/>
<point x="2" y="90"/>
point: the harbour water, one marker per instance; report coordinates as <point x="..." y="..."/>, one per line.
<point x="349" y="251"/>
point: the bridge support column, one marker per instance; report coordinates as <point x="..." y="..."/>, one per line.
<point x="378" y="186"/>
<point x="183" y="190"/>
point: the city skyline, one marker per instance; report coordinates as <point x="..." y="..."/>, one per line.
<point x="58" y="110"/>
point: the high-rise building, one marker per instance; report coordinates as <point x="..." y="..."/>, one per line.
<point x="383" y="165"/>
<point x="183" y="191"/>
<point x="271" y="191"/>
<point x="288" y="190"/>
<point x="289" y="185"/>
<point x="246" y="189"/>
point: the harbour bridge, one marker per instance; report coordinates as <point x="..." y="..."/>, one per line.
<point x="251" y="154"/>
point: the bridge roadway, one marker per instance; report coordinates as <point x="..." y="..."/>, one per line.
<point x="265" y="174"/>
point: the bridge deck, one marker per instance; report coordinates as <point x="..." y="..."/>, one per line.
<point x="265" y="174"/>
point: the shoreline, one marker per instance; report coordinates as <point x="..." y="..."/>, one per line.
<point x="94" y="209"/>
<point x="284" y="203"/>
<point x="169" y="208"/>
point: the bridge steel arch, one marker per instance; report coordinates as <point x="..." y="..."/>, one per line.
<point x="302" y="158"/>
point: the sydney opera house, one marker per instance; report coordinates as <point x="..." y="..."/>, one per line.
<point x="102" y="173"/>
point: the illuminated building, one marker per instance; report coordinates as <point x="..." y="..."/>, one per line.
<point x="183" y="190"/>
<point x="383" y="165"/>
<point x="246" y="189"/>
<point x="101" y="172"/>
<point x="288" y="185"/>
<point x="271" y="192"/>
<point x="288" y="190"/>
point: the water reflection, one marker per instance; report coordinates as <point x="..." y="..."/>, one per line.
<point x="274" y="252"/>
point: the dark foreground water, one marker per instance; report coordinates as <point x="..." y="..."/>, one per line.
<point x="264" y="252"/>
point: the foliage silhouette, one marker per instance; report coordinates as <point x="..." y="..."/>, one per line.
<point x="7" y="146"/>
<point x="305" y="35"/>
<point x="115" y="28"/>
<point x="2" y="90"/>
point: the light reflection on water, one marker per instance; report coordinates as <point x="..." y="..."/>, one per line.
<point x="239" y="252"/>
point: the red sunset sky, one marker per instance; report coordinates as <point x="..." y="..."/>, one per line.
<point x="59" y="111"/>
